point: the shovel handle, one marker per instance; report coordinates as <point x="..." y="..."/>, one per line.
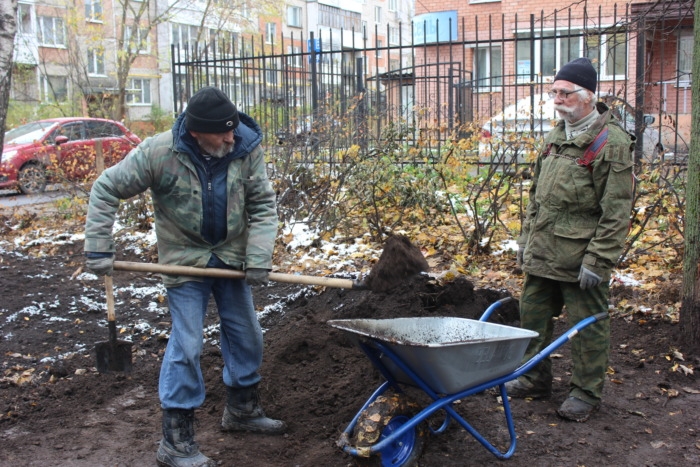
<point x="109" y="293"/>
<point x="233" y="274"/>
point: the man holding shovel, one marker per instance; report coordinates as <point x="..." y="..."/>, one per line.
<point x="214" y="208"/>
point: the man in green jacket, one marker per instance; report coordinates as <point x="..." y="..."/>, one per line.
<point x="214" y="208"/>
<point x="573" y="234"/>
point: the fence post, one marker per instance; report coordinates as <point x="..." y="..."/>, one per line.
<point x="314" y="75"/>
<point x="361" y="112"/>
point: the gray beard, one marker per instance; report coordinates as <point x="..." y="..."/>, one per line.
<point x="218" y="153"/>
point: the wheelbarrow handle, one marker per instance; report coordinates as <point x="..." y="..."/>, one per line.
<point x="493" y="306"/>
<point x="558" y="342"/>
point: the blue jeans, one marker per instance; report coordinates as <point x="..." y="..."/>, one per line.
<point x="181" y="385"/>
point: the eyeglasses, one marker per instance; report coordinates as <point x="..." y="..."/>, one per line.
<point x="562" y="94"/>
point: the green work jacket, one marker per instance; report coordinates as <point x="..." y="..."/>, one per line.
<point x="578" y="215"/>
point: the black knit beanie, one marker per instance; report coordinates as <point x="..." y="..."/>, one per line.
<point x="209" y="110"/>
<point x="579" y="71"/>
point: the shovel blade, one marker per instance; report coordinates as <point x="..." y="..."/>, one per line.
<point x="113" y="356"/>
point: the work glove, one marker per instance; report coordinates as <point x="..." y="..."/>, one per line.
<point x="519" y="256"/>
<point x="588" y="278"/>
<point x="103" y="266"/>
<point x="257" y="276"/>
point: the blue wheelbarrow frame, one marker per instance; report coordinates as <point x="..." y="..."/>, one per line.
<point x="402" y="433"/>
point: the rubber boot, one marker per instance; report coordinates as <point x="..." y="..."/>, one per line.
<point x="244" y="413"/>
<point x="177" y="448"/>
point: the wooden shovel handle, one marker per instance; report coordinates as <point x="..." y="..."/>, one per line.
<point x="233" y="274"/>
<point x="109" y="292"/>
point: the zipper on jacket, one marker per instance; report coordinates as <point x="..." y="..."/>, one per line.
<point x="210" y="203"/>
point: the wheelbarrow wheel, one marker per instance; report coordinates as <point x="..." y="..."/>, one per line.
<point x="380" y="420"/>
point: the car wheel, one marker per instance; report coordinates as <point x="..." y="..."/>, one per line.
<point x="32" y="178"/>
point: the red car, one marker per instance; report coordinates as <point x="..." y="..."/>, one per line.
<point x="60" y="149"/>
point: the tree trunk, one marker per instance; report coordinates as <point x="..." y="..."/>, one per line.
<point x="690" y="309"/>
<point x="8" y="28"/>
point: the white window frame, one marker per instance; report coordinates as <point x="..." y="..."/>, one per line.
<point x="25" y="21"/>
<point x="47" y="91"/>
<point x="295" y="59"/>
<point x="52" y="32"/>
<point x="394" y="35"/>
<point x="95" y="62"/>
<point x="270" y="32"/>
<point x="603" y="74"/>
<point x="138" y="92"/>
<point x="377" y="14"/>
<point x="181" y="34"/>
<point x="488" y="68"/>
<point x="380" y="45"/>
<point x="140" y="40"/>
<point x="393" y="5"/>
<point x="685" y="57"/>
<point x="294" y="16"/>
<point x="562" y="55"/>
<point x="271" y="78"/>
<point x="93" y="11"/>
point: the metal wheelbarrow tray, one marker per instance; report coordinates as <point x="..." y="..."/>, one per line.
<point x="449" y="359"/>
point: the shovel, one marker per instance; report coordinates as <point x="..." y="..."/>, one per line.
<point x="113" y="355"/>
<point x="399" y="261"/>
<point x="235" y="274"/>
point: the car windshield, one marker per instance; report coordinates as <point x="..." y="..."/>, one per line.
<point x="27" y="133"/>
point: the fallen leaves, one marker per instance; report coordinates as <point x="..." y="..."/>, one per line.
<point x="18" y="375"/>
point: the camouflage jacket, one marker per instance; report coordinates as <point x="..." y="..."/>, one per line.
<point x="576" y="214"/>
<point x="160" y="164"/>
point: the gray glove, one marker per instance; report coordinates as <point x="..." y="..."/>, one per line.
<point x="257" y="276"/>
<point x="519" y="256"/>
<point x="588" y="279"/>
<point x="101" y="266"/>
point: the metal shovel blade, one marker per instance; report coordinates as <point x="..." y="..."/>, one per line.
<point x="112" y="355"/>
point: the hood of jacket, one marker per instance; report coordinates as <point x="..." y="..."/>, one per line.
<point x="247" y="135"/>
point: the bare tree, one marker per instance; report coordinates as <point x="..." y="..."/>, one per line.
<point x="690" y="308"/>
<point x="8" y="28"/>
<point x="139" y="18"/>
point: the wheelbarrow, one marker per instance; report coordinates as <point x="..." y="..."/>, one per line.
<point x="448" y="359"/>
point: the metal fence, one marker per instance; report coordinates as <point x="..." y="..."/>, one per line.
<point x="328" y="92"/>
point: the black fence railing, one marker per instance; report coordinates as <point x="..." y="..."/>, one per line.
<point x="328" y="92"/>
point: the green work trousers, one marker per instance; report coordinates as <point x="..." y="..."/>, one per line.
<point x="544" y="299"/>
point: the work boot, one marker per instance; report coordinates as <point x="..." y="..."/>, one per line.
<point x="177" y="448"/>
<point x="521" y="388"/>
<point x="244" y="413"/>
<point x="576" y="410"/>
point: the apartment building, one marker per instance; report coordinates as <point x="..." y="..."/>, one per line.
<point x="502" y="50"/>
<point x="113" y="58"/>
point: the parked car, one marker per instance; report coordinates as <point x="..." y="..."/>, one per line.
<point x="515" y="134"/>
<point x="60" y="148"/>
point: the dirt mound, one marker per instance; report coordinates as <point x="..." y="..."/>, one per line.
<point x="399" y="261"/>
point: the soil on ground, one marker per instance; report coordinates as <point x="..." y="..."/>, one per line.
<point x="56" y="409"/>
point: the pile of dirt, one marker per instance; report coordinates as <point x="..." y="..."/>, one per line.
<point x="400" y="259"/>
<point x="62" y="412"/>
